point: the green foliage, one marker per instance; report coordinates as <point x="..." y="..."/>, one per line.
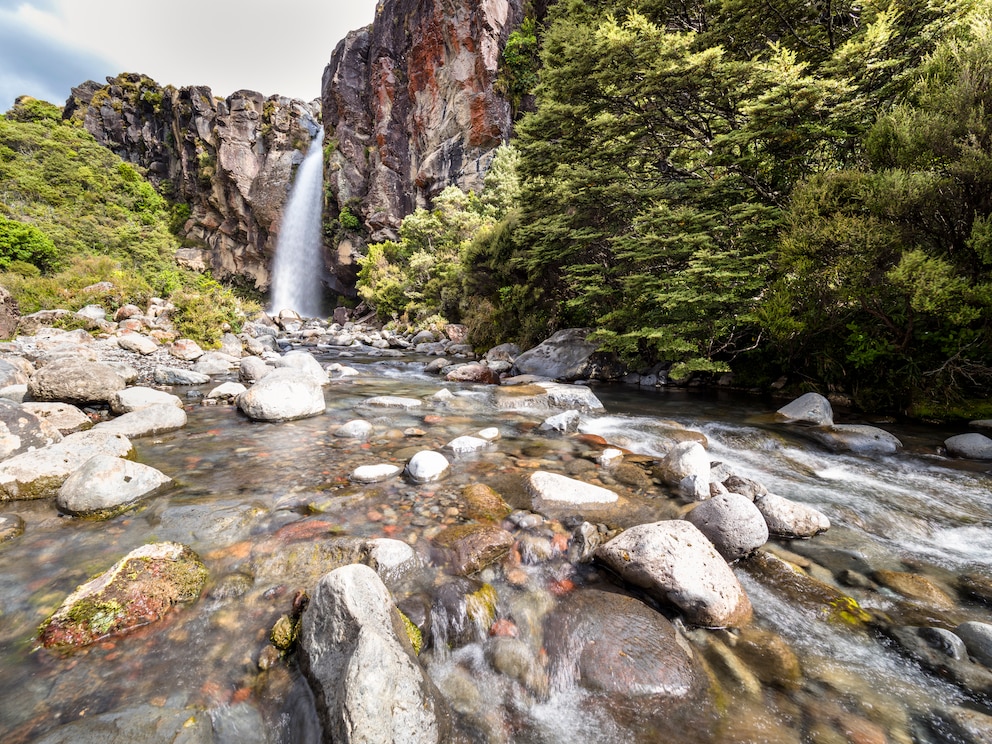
<point x="25" y="244"/>
<point x="348" y="220"/>
<point x="205" y="309"/>
<point x="519" y="64"/>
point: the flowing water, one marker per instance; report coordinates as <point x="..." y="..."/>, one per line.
<point x="296" y="270"/>
<point x="249" y="491"/>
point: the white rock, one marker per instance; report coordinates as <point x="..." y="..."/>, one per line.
<point x="686" y="459"/>
<point x="610" y="457"/>
<point x="564" y="423"/>
<point x="490" y="435"/>
<point x="427" y="466"/>
<point x="355" y="429"/>
<point x="145" y="421"/>
<point x="375" y="473"/>
<point x="227" y="390"/>
<point x="303" y="362"/>
<point x="340" y="371"/>
<point x="786" y="518"/>
<point x="216" y="363"/>
<point x="66" y="418"/>
<point x="283" y="395"/>
<point x="465" y="445"/>
<point x="106" y="484"/>
<point x="552" y="490"/>
<point x="810" y="408"/>
<point x="176" y="376"/>
<point x="393" y="401"/>
<point x="732" y="523"/>
<point x="138" y="343"/>
<point x="134" y="398"/>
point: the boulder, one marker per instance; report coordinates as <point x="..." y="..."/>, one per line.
<point x="503" y="353"/>
<point x="564" y="356"/>
<point x="732" y="523"/>
<point x="303" y="362"/>
<point x="467" y="445"/>
<point x="393" y="401"/>
<point x="563" y="423"/>
<point x="555" y="491"/>
<point x="355" y="429"/>
<point x="215" y="363"/>
<point x="227" y="391"/>
<point x="138" y="343"/>
<point x="11" y="374"/>
<point x="479" y="373"/>
<point x="78" y="382"/>
<point x="469" y="548"/>
<point x="126" y="312"/>
<point x="146" y="421"/>
<point x="811" y="408"/>
<point x="136" y="398"/>
<point x="186" y="349"/>
<point x="858" y="438"/>
<point x="675" y="563"/>
<point x="177" y="376"/>
<point x="230" y="345"/>
<point x="977" y="638"/>
<point x="427" y="466"/>
<point x="253" y="369"/>
<point x="375" y="473"/>
<point x="544" y="396"/>
<point x="107" y="485"/>
<point x="350" y="628"/>
<point x="138" y="589"/>
<point x="64" y="417"/>
<point x="969" y="446"/>
<point x="21" y="430"/>
<point x="39" y="474"/>
<point x="684" y="460"/>
<point x="787" y="518"/>
<point x="284" y="394"/>
<point x="10" y="314"/>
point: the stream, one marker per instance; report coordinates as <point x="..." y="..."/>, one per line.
<point x="247" y="490"/>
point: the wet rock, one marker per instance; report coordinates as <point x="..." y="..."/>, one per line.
<point x="976" y="586"/>
<point x="176" y="376"/>
<point x="144" y="723"/>
<point x="632" y="475"/>
<point x="285" y="394"/>
<point x="77" y="382"/>
<point x="350" y="627"/>
<point x="513" y="658"/>
<point x="790" y="519"/>
<point x="226" y="391"/>
<point x="393" y="401"/>
<point x="564" y="356"/>
<point x="462" y="611"/>
<point x="144" y="422"/>
<point x="610" y="458"/>
<point x="375" y="473"/>
<point x="483" y="503"/>
<point x="394" y="560"/>
<point x="917" y="644"/>
<point x="675" y="563"/>
<point x="135" y="398"/>
<point x="355" y="429"/>
<point x="39" y="474"/>
<point x="945" y="641"/>
<point x="467" y="445"/>
<point x="732" y="523"/>
<point x="914" y="586"/>
<point x="563" y="423"/>
<point x="63" y="417"/>
<point x="811" y="408"/>
<point x="744" y="486"/>
<point x="21" y="430"/>
<point x="618" y="647"/>
<point x="427" y="466"/>
<point x="686" y="459"/>
<point x="770" y="657"/>
<point x="478" y="373"/>
<point x="11" y="526"/>
<point x="252" y="369"/>
<point x="555" y="491"/>
<point x="977" y="638"/>
<point x="136" y="590"/>
<point x="962" y="726"/>
<point x="139" y="343"/>
<point x="106" y="485"/>
<point x="857" y="438"/>
<point x="469" y="548"/>
<point x="969" y="446"/>
<point x="304" y="363"/>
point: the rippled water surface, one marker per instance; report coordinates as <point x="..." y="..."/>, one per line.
<point x="246" y="490"/>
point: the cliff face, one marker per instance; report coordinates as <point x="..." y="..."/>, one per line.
<point x="410" y="104"/>
<point x="230" y="160"/>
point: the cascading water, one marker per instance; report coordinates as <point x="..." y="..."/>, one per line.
<point x="297" y="267"/>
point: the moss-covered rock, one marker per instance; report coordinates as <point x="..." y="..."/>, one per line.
<point x="137" y="590"/>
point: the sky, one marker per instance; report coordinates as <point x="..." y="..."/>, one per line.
<point x="271" y="46"/>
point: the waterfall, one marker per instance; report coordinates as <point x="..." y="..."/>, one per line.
<point x="298" y="265"/>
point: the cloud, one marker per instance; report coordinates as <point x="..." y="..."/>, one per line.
<point x="37" y="63"/>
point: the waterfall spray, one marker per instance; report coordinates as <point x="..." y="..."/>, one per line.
<point x="298" y="264"/>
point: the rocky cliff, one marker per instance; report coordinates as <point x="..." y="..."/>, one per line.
<point x="229" y="160"/>
<point x="409" y="106"/>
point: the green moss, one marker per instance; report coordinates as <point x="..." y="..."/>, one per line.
<point x="96" y="617"/>
<point x="480" y="606"/>
<point x="413" y="633"/>
<point x="284" y="633"/>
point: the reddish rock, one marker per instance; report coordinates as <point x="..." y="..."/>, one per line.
<point x="470" y="548"/>
<point x="473" y="373"/>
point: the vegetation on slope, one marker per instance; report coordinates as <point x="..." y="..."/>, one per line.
<point x="73" y="214"/>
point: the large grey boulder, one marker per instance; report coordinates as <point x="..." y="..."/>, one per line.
<point x="787" y="518"/>
<point x="74" y="381"/>
<point x="216" y="363"/>
<point x="675" y="563"/>
<point x="63" y="417"/>
<point x="285" y="394"/>
<point x="359" y="662"/>
<point x="969" y="446"/>
<point x="858" y="438"/>
<point x="21" y="430"/>
<point x="811" y="408"/>
<point x="977" y="637"/>
<point x="39" y="474"/>
<point x="303" y="362"/>
<point x="685" y="460"/>
<point x="253" y="369"/>
<point x="105" y="485"/>
<point x="564" y="356"/>
<point x="135" y="398"/>
<point x="145" y="422"/>
<point x="732" y="523"/>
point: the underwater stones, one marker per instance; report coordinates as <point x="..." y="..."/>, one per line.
<point x="515" y="659"/>
<point x="75" y="381"/>
<point x="355" y="429"/>
<point x="138" y="589"/>
<point x="555" y="491"/>
<point x="467" y="445"/>
<point x="105" y="485"/>
<point x="147" y="421"/>
<point x="11" y="526"/>
<point x="969" y="446"/>
<point x="675" y="563"/>
<point x="427" y="466"/>
<point x="790" y="519"/>
<point x="811" y="408"/>
<point x="914" y="586"/>
<point x="857" y="438"/>
<point x="40" y="473"/>
<point x="732" y="523"/>
<point x="563" y="423"/>
<point x="393" y="401"/>
<point x="63" y="417"/>
<point x="133" y="398"/>
<point x="375" y="473"/>
<point x="483" y="503"/>
<point x="176" y="376"/>
<point x="351" y="626"/>
<point x="977" y="638"/>
<point x="469" y="548"/>
<point x="285" y="394"/>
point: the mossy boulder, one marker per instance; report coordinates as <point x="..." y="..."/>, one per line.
<point x="137" y="590"/>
